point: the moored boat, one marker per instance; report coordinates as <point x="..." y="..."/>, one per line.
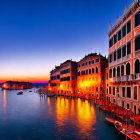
<point x="110" y="120"/>
<point x="19" y="93"/>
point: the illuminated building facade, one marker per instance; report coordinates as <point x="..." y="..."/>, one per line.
<point x="54" y="82"/>
<point x="124" y="59"/>
<point x="90" y="79"/>
<point x="68" y="78"/>
<point x="63" y="79"/>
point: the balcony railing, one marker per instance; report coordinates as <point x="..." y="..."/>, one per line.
<point x="137" y="52"/>
<point x="126" y="78"/>
<point x="121" y="60"/>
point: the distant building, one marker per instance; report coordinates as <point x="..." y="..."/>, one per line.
<point x="12" y="85"/>
<point x="90" y="79"/>
<point x="63" y="79"/>
<point x="124" y="59"/>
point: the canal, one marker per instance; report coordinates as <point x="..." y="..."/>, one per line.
<point x="31" y="117"/>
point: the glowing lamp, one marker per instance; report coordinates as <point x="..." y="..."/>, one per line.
<point x="61" y="86"/>
<point x="4" y="86"/>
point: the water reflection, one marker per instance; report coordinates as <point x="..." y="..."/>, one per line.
<point x="86" y="116"/>
<point x="79" y="113"/>
<point x="4" y="102"/>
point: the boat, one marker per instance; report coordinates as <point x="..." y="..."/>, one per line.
<point x="20" y="92"/>
<point x="126" y="131"/>
<point x="30" y="91"/>
<point x="110" y="120"/>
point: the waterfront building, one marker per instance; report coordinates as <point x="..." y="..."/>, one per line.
<point x="90" y="79"/>
<point x="124" y="59"/>
<point x="63" y="79"/>
<point x="68" y="78"/>
<point x="54" y="82"/>
<point x="12" y="85"/>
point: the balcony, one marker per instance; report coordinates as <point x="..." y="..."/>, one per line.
<point x="126" y="78"/>
<point x="137" y="52"/>
<point x="121" y="60"/>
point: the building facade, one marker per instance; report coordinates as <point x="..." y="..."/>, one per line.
<point x="90" y="79"/>
<point x="63" y="79"/>
<point x="124" y="59"/>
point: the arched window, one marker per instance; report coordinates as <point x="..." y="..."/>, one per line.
<point x="118" y="71"/>
<point x="114" y="72"/>
<point x="128" y="69"/>
<point x="122" y="70"/>
<point x="110" y="73"/>
<point x="137" y="66"/>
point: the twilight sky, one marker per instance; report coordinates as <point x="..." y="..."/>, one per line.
<point x="36" y="35"/>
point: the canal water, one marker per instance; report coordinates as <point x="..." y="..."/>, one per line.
<point x="31" y="117"/>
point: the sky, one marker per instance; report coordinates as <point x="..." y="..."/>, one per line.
<point x="36" y="35"/>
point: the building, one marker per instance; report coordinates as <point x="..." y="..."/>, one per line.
<point x="63" y="79"/>
<point x="14" y="85"/>
<point x="124" y="59"/>
<point x="90" y="79"/>
<point x="54" y="82"/>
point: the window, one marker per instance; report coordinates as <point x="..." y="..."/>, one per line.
<point x="83" y="64"/>
<point x="129" y="48"/>
<point x="86" y="63"/>
<point x="97" y="60"/>
<point x="115" y="39"/>
<point x="111" y="42"/>
<point x="137" y="43"/>
<point x="92" y="70"/>
<point x="86" y="72"/>
<point x="102" y="69"/>
<point x="124" y="51"/>
<point x="128" y="106"/>
<point x="106" y="76"/>
<point x="128" y="92"/>
<point x="123" y="104"/>
<point x="137" y="66"/>
<point x="96" y="69"/>
<point x="114" y="72"/>
<point x="137" y="19"/>
<point x="96" y="88"/>
<point x="79" y="73"/>
<point x="89" y="62"/>
<point x="128" y="69"/>
<point x="115" y="56"/>
<point x="114" y="101"/>
<point x="122" y="70"/>
<point x="92" y="61"/>
<point x="135" y="93"/>
<point x="123" y="91"/>
<point x="118" y="71"/>
<point x="113" y="90"/>
<point x="109" y="90"/>
<point x="110" y="73"/>
<point x="79" y="65"/>
<point x="118" y="53"/>
<point x="119" y="35"/>
<point x="124" y="31"/>
<point x="89" y="71"/>
<point x="110" y="58"/>
<point x="128" y="26"/>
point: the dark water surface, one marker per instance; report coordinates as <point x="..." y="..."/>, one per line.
<point x="31" y="117"/>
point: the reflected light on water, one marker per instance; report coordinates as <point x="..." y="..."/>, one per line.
<point x="86" y="116"/>
<point x="79" y="113"/>
<point x="4" y="101"/>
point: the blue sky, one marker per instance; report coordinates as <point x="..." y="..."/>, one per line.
<point x="36" y="35"/>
